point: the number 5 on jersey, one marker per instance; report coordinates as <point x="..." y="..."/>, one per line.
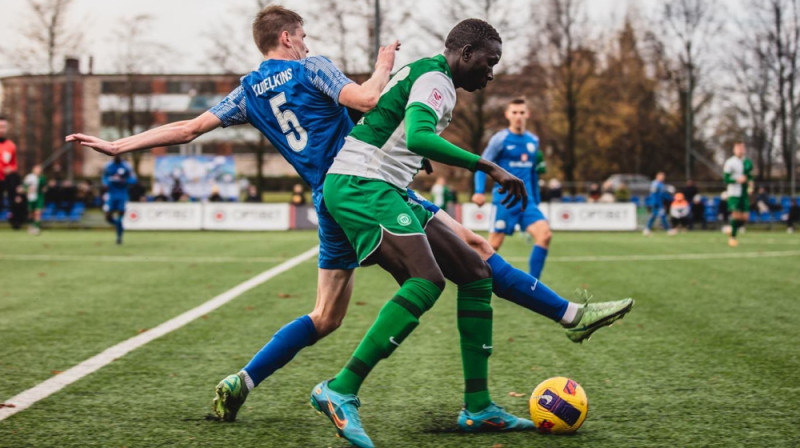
<point x="287" y="119"/>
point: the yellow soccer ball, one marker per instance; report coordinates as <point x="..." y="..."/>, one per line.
<point x="558" y="406"/>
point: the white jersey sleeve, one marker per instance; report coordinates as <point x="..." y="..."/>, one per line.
<point x="435" y="90"/>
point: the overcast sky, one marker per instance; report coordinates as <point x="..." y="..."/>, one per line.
<point x="183" y="24"/>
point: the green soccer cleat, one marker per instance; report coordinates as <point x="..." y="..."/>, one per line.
<point x="342" y="410"/>
<point x="598" y="315"/>
<point x="230" y="395"/>
<point x="493" y="418"/>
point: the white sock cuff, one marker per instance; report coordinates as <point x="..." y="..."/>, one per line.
<point x="569" y="315"/>
<point x="247" y="380"/>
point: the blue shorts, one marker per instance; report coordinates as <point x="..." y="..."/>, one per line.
<point x="505" y="220"/>
<point x="115" y="204"/>
<point x="427" y="205"/>
<point x="335" y="251"/>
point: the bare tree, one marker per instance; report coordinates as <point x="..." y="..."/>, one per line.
<point x="778" y="23"/>
<point x="570" y="63"/>
<point x="691" y="24"/>
<point x="48" y="38"/>
<point x="137" y="55"/>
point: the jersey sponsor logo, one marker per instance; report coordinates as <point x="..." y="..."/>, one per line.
<point x="511" y="147"/>
<point x="403" y="219"/>
<point x="272" y="82"/>
<point x="524" y="157"/>
<point x="436" y="99"/>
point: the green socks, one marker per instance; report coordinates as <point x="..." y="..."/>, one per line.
<point x="735" y="224"/>
<point x="396" y="320"/>
<point x="475" y="328"/>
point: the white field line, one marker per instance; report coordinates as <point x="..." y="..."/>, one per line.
<point x="732" y="255"/>
<point x="138" y="259"/>
<point x="27" y="398"/>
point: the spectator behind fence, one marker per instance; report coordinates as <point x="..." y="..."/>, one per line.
<point x="594" y="193"/>
<point x="52" y="194"/>
<point x="622" y="193"/>
<point x="608" y="194"/>
<point x="177" y="193"/>
<point x="67" y="197"/>
<point x="554" y="190"/>
<point x="793" y="217"/>
<point x="679" y="211"/>
<point x="762" y="201"/>
<point x="215" y="196"/>
<point x="690" y="191"/>
<point x="18" y="208"/>
<point x="252" y="194"/>
<point x="158" y="193"/>
<point x="136" y="192"/>
<point x="298" y="195"/>
<point x="698" y="215"/>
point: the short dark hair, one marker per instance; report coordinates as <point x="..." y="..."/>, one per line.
<point x="517" y="100"/>
<point x="474" y="32"/>
<point x="270" y="23"/>
<point x="3" y="118"/>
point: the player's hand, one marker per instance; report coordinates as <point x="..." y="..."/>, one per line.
<point x="742" y="179"/>
<point x="479" y="199"/>
<point x="510" y="184"/>
<point x="386" y="56"/>
<point x="95" y="143"/>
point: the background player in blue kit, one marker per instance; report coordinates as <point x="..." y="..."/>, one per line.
<point x="117" y="177"/>
<point x="517" y="151"/>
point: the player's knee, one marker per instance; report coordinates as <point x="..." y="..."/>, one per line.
<point x="325" y="324"/>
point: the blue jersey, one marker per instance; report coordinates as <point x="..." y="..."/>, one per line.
<point x="117" y="176"/>
<point x="518" y="154"/>
<point x="295" y="105"/>
<point x="659" y="194"/>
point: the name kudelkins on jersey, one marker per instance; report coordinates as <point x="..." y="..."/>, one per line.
<point x="272" y="82"/>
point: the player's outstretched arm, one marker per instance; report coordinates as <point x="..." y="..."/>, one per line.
<point x="365" y="96"/>
<point x="169" y="134"/>
<point x="422" y="139"/>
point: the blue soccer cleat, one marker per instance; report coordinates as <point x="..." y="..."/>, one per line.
<point x="493" y="418"/>
<point x="342" y="410"/>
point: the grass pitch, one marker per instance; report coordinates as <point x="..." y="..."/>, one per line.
<point x="707" y="357"/>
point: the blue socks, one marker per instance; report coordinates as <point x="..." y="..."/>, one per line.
<point x="284" y="345"/>
<point x="518" y="287"/>
<point x="536" y="262"/>
<point x="118" y="225"/>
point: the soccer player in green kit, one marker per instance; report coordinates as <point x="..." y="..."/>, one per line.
<point x="365" y="192"/>
<point x="737" y="174"/>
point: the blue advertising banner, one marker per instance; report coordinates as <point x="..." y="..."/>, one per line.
<point x="197" y="177"/>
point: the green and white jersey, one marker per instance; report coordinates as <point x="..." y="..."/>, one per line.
<point x="733" y="169"/>
<point x="34" y="186"/>
<point x="376" y="147"/>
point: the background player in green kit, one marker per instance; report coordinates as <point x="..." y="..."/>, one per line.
<point x="737" y="174"/>
<point x="365" y="192"/>
<point x="34" y="186"/>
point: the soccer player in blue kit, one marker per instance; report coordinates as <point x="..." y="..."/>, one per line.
<point x="517" y="150"/>
<point x="117" y="177"/>
<point x="296" y="102"/>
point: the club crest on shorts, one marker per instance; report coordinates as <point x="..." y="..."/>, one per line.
<point x="403" y="219"/>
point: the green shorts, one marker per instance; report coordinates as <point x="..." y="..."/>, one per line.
<point x="364" y="208"/>
<point x="739" y="204"/>
<point x="35" y="205"/>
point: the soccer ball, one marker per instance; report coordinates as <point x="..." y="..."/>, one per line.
<point x="558" y="406"/>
